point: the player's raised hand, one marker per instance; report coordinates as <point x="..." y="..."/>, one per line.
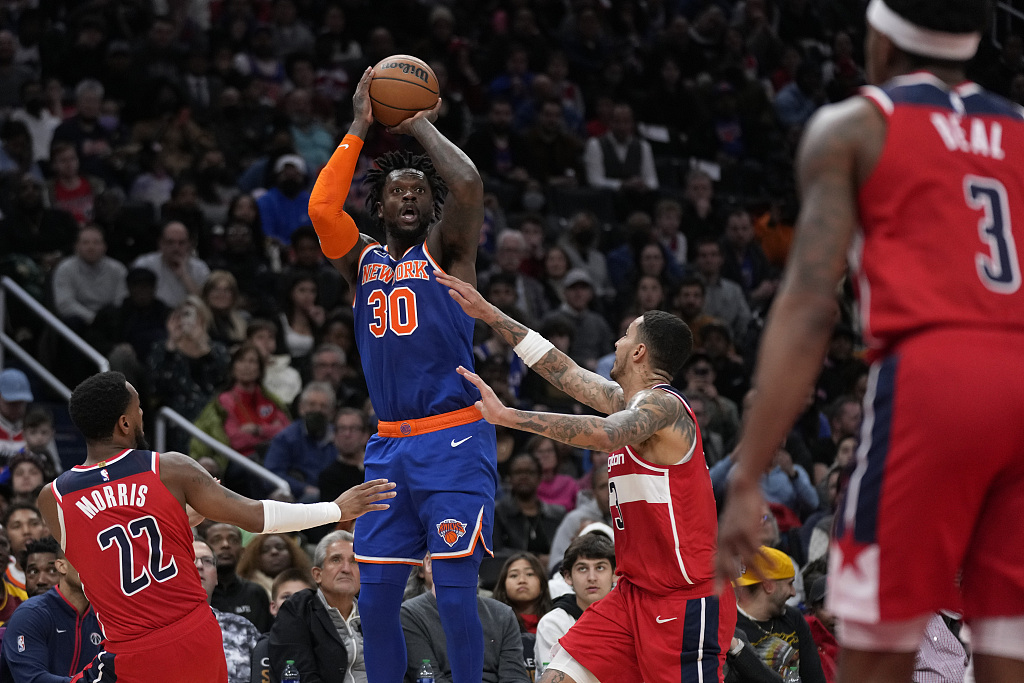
<point x="361" y="110"/>
<point x="739" y="527"/>
<point x="408" y="126"/>
<point x="465" y="294"/>
<point x="489" y="405"/>
<point x="365" y="497"/>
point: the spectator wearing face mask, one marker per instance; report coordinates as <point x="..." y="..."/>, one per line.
<point x="303" y="449"/>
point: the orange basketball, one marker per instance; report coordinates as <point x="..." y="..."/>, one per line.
<point x="402" y="85"/>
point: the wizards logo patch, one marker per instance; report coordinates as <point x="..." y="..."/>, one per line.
<point x="451" y="530"/>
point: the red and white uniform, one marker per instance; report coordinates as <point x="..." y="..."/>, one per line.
<point x="940" y="466"/>
<point x="663" y="620"/>
<point x="130" y="541"/>
<point x="937" y="245"/>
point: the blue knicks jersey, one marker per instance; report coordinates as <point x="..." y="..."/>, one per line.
<point x="411" y="336"/>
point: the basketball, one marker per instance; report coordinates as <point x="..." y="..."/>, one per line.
<point x="402" y="85"/>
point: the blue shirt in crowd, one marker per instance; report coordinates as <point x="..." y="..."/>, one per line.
<point x="48" y="641"/>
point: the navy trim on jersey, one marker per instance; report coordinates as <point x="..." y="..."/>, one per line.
<point x="131" y="463"/>
<point x="670" y="389"/>
<point x="975" y="100"/>
<point x="986" y="104"/>
<point x="698" y="661"/>
<point x="866" y="517"/>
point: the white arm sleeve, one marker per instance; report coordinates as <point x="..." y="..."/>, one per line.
<point x="278" y="516"/>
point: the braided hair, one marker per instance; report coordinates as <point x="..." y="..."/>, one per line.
<point x="390" y="162"/>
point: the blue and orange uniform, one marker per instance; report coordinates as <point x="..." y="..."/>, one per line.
<point x="938" y="276"/>
<point x="130" y="540"/>
<point x="431" y="441"/>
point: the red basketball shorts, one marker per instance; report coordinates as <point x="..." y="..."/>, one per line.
<point x="932" y="516"/>
<point x="189" y="650"/>
<point x="631" y="636"/>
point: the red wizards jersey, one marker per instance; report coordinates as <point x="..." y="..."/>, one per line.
<point x="937" y="244"/>
<point x="130" y="541"/>
<point x="666" y="526"/>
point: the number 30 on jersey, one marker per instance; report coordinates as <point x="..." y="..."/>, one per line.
<point x="395" y="311"/>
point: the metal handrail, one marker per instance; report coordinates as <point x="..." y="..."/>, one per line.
<point x="34" y="365"/>
<point x="160" y="442"/>
<point x="53" y="321"/>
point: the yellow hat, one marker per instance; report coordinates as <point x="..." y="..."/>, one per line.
<point x="768" y="564"/>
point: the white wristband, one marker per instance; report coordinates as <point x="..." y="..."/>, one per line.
<point x="278" y="516"/>
<point x="533" y="348"/>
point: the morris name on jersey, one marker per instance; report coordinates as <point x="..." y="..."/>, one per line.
<point x="111" y="496"/>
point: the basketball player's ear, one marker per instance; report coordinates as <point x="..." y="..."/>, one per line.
<point x="640" y="351"/>
<point x="124" y="423"/>
<point x="888" y="54"/>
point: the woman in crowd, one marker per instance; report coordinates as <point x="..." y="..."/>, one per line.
<point x="26" y="477"/>
<point x="187" y="368"/>
<point x="244" y="417"/>
<point x="555" y="488"/>
<point x="556" y="265"/>
<point x="268" y="555"/>
<point x="521" y="585"/>
<point x="301" y="318"/>
<point x="221" y="295"/>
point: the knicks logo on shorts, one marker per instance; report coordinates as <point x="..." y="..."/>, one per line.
<point x="451" y="530"/>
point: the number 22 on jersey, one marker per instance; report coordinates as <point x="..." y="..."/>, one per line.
<point x="153" y="567"/>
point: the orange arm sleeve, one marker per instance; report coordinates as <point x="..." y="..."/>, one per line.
<point x="337" y="231"/>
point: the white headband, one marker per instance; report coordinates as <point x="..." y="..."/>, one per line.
<point x="958" y="47"/>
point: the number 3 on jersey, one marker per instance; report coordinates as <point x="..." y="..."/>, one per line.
<point x="396" y="310"/>
<point x="153" y="567"/>
<point x="999" y="270"/>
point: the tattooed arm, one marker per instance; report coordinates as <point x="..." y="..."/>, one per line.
<point x="557" y="368"/>
<point x="648" y="412"/>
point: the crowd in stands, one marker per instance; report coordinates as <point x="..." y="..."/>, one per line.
<point x="156" y="160"/>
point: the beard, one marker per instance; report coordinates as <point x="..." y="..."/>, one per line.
<point x="418" y="232"/>
<point x="140" y="440"/>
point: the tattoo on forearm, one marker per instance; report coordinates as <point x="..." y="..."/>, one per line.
<point x="585" y="386"/>
<point x="552" y="676"/>
<point x="648" y="413"/>
<point x="510" y="330"/>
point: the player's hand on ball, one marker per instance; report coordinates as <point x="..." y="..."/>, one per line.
<point x="465" y="294"/>
<point x="361" y="109"/>
<point x="489" y="405"/>
<point x="366" y="497"/>
<point x="406" y="127"/>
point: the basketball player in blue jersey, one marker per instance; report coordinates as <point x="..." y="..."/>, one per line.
<point x="411" y="335"/>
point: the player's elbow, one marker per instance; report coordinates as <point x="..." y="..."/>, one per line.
<point x="609" y="440"/>
<point x="467" y="185"/>
<point x="319" y="210"/>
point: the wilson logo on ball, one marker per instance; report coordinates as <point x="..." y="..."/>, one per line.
<point x="409" y="70"/>
<point x="451" y="530"/>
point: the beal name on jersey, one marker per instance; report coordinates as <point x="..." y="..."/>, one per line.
<point x="984" y="138"/>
